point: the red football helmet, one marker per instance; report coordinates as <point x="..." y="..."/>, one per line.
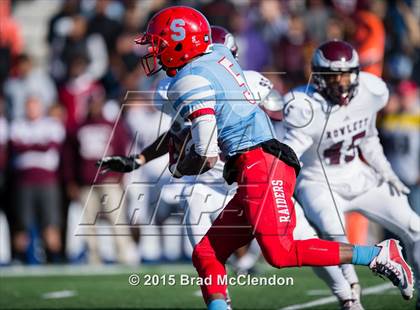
<point x="335" y="66"/>
<point x="222" y="36"/>
<point x="174" y="36"/>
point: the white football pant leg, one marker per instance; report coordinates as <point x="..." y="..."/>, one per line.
<point x="246" y="262"/>
<point x="144" y="187"/>
<point x="332" y="275"/>
<point x="319" y="206"/>
<point x="204" y="203"/>
<point x="303" y="229"/>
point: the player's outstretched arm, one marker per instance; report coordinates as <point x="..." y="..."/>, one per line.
<point x="157" y="149"/>
<point x="373" y="154"/>
<point x="129" y="163"/>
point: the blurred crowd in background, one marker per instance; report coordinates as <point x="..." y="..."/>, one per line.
<point x="66" y="68"/>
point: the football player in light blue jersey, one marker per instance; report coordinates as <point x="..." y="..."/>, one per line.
<point x="209" y="89"/>
<point x="215" y="82"/>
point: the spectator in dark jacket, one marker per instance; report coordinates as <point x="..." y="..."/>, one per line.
<point x="73" y="40"/>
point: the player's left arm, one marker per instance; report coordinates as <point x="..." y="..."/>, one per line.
<point x="194" y="98"/>
<point x="201" y="152"/>
<point x="373" y="152"/>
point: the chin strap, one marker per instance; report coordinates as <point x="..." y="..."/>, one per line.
<point x="171" y="72"/>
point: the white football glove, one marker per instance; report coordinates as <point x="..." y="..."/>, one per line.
<point x="395" y="184"/>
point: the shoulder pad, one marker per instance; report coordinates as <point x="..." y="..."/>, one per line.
<point x="186" y="83"/>
<point x="299" y="108"/>
<point x="376" y="87"/>
<point x="186" y="92"/>
<point x="259" y="85"/>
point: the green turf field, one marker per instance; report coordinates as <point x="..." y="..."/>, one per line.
<point x="108" y="288"/>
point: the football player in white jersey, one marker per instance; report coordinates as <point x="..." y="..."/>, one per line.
<point x="330" y="124"/>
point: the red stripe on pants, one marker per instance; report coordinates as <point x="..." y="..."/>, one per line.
<point x="262" y="208"/>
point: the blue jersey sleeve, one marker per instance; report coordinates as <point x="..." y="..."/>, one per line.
<point x="190" y="94"/>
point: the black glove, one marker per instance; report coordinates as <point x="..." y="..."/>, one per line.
<point x="118" y="163"/>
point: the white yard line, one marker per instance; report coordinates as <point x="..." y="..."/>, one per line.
<point x="63" y="270"/>
<point x="329" y="300"/>
<point x="86" y="270"/>
<point x="318" y="292"/>
<point x="59" y="294"/>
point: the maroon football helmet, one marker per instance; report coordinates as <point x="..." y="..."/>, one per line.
<point x="222" y="36"/>
<point x="335" y="69"/>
